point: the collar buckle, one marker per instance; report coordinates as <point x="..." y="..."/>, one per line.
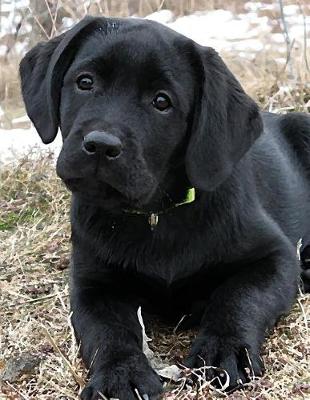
<point x="153" y="220"/>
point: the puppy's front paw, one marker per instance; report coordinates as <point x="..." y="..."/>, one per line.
<point x="123" y="379"/>
<point x="235" y="361"/>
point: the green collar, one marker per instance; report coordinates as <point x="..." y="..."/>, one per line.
<point x="153" y="215"/>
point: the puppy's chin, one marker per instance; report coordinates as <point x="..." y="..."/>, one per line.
<point x="105" y="196"/>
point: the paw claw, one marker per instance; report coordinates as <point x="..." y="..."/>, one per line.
<point x="234" y="367"/>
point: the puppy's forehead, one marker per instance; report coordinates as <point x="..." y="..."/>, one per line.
<point x="127" y="44"/>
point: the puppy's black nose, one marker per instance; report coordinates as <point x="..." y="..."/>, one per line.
<point x="102" y="143"/>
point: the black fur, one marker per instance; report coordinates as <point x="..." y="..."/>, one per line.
<point x="229" y="258"/>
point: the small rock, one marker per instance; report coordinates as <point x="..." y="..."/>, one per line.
<point x="46" y="348"/>
<point x="17" y="367"/>
<point x="63" y="263"/>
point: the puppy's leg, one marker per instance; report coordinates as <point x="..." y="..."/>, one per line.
<point x="106" y="324"/>
<point x="241" y="311"/>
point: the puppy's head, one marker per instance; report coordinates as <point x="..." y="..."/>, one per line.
<point x="144" y="112"/>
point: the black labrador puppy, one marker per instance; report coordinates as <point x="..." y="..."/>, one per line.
<point x="186" y="198"/>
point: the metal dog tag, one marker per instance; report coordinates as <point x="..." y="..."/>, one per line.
<point x="153" y="220"/>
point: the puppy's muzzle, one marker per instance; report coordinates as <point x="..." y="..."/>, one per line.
<point x="102" y="144"/>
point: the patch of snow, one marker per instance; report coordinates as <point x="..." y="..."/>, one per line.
<point x="257" y="24"/>
<point x="67" y="22"/>
<point x="269" y="7"/>
<point x="3" y="50"/>
<point x="17" y="18"/>
<point x="201" y="27"/>
<point x="253" y="5"/>
<point x="280" y="60"/>
<point x="297" y="31"/>
<point x="5" y="26"/>
<point x="11" y="5"/>
<point x="18" y="142"/>
<point x="162" y="16"/>
<point x="11" y="15"/>
<point x="250" y="44"/>
<point x="278" y="38"/>
<point x="24" y="118"/>
<point x="291" y="9"/>
<point x="222" y="29"/>
<point x="25" y="28"/>
<point x="21" y="47"/>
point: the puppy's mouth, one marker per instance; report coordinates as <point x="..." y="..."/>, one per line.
<point x="104" y="195"/>
<point x="87" y="188"/>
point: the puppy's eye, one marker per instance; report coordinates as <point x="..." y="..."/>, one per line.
<point x="161" y="102"/>
<point x="85" y="82"/>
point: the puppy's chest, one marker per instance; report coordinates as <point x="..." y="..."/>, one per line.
<point x="168" y="257"/>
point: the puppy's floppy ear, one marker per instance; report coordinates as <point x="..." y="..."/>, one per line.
<point x="42" y="71"/>
<point x="226" y="123"/>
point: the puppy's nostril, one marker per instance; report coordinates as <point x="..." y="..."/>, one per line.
<point x="89" y="147"/>
<point x="113" y="151"/>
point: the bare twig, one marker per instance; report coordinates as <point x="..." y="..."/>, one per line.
<point x="286" y="35"/>
<point x="304" y="315"/>
<point x="39" y="299"/>
<point x="79" y="380"/>
<point x="51" y="17"/>
<point x="305" y="36"/>
<point x="54" y="28"/>
<point x="161" y="5"/>
<point x="38" y="22"/>
<point x="17" y="391"/>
